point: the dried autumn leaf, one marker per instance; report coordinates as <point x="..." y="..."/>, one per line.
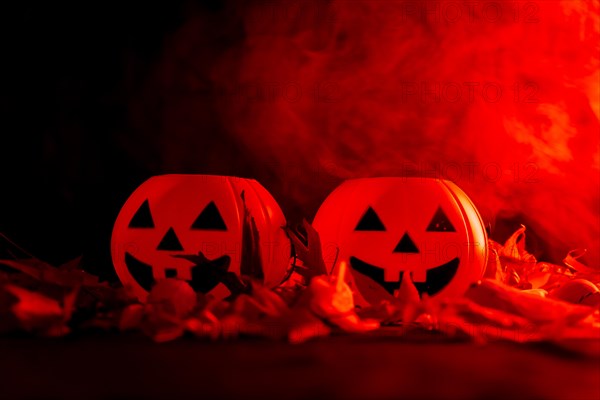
<point x="493" y="269"/>
<point x="521" y="268"/>
<point x="131" y="317"/>
<point x="407" y="293"/>
<point x="38" y="313"/>
<point x="581" y="270"/>
<point x="304" y="326"/>
<point x="536" y="309"/>
<point x="205" y="325"/>
<point x="404" y="308"/>
<point x="72" y="265"/>
<point x="9" y="250"/>
<point x="251" y="262"/>
<point x="261" y="302"/>
<point x="408" y="301"/>
<point x="331" y="299"/>
<point x="372" y="292"/>
<point x="308" y="249"/>
<point x="167" y="333"/>
<point x="164" y="315"/>
<point x="291" y="288"/>
<point x="578" y="291"/>
<point x="43" y="272"/>
<point x="161" y="325"/>
<point x="514" y="247"/>
<point x="173" y="296"/>
<point x="474" y="313"/>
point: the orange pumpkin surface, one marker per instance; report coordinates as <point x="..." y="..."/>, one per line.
<point x="201" y="229"/>
<point x="390" y="229"/>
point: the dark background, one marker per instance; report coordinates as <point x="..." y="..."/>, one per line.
<point x="71" y="72"/>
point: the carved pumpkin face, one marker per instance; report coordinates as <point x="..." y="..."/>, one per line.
<point x="390" y="229"/>
<point x="201" y="229"/>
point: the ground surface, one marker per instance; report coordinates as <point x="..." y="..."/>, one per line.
<point x="381" y="366"/>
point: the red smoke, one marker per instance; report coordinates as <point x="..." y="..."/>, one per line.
<point x="502" y="97"/>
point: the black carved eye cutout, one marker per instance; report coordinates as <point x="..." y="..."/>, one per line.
<point x="440" y="222"/>
<point x="210" y="219"/>
<point x="142" y="217"/>
<point x="370" y="221"/>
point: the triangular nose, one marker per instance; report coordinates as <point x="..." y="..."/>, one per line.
<point x="170" y="242"/>
<point x="406" y="245"/>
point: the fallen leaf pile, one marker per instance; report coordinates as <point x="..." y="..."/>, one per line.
<point x="519" y="299"/>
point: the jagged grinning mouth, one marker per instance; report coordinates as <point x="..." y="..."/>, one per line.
<point x="205" y="276"/>
<point x="437" y="278"/>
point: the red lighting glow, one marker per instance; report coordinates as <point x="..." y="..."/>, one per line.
<point x="501" y="97"/>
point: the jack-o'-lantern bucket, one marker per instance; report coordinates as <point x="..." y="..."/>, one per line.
<point x="203" y="229"/>
<point x="389" y="229"/>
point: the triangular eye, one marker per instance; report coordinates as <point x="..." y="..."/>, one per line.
<point x="210" y="219"/>
<point x="406" y="245"/>
<point x="142" y="217"/>
<point x="370" y="222"/>
<point x="170" y="242"/>
<point x="440" y="222"/>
